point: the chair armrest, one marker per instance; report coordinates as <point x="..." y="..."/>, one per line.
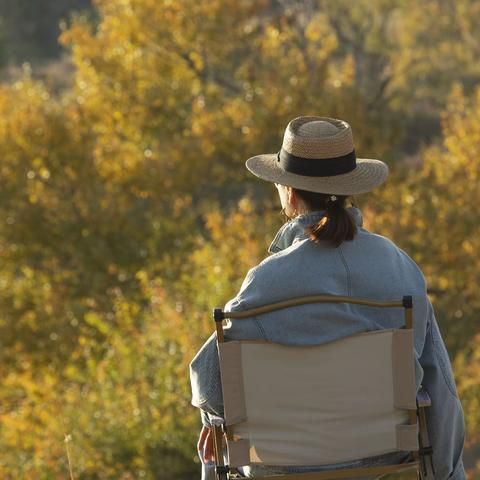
<point x="423" y="399"/>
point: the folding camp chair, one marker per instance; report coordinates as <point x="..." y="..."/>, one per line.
<point x="338" y="402"/>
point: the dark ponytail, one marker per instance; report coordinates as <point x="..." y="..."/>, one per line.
<point x="337" y="225"/>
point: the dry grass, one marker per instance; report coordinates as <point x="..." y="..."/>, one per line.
<point x="68" y="438"/>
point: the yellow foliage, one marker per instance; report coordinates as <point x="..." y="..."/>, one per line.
<point x="128" y="214"/>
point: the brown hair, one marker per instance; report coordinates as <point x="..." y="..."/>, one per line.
<point x="337" y="225"/>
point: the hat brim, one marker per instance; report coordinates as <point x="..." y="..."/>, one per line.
<point x="367" y="175"/>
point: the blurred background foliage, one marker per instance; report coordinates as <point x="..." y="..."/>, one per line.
<point x="126" y="212"/>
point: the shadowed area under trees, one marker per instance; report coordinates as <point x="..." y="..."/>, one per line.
<point x="127" y="213"/>
<point x="30" y="28"/>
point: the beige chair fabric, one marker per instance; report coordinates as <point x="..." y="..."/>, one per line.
<point x="314" y="405"/>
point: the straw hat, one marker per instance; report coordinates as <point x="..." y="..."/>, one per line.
<point x="318" y="155"/>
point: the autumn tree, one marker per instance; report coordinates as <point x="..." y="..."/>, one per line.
<point x="127" y="213"/>
<point x="432" y="213"/>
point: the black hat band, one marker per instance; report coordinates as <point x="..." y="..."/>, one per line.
<point x="322" y="167"/>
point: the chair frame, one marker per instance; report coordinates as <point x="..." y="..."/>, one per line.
<point x="422" y="458"/>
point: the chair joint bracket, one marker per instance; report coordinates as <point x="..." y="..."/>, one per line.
<point x="222" y="469"/>
<point x="218" y="314"/>
<point x="425" y="451"/>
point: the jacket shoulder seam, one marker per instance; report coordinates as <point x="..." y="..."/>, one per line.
<point x="259" y="326"/>
<point x="347" y="269"/>
<point x="443" y="366"/>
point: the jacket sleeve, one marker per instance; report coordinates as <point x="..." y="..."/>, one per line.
<point x="205" y="381"/>
<point x="205" y="376"/>
<point x="445" y="420"/>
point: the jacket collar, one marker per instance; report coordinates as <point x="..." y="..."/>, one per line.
<point x="294" y="230"/>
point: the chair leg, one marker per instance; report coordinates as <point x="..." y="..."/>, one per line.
<point x="221" y="470"/>
<point x="426" y="460"/>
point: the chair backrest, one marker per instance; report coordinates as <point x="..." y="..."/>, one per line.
<point x="314" y="405"/>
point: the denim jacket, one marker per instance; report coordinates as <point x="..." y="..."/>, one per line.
<point x="369" y="266"/>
